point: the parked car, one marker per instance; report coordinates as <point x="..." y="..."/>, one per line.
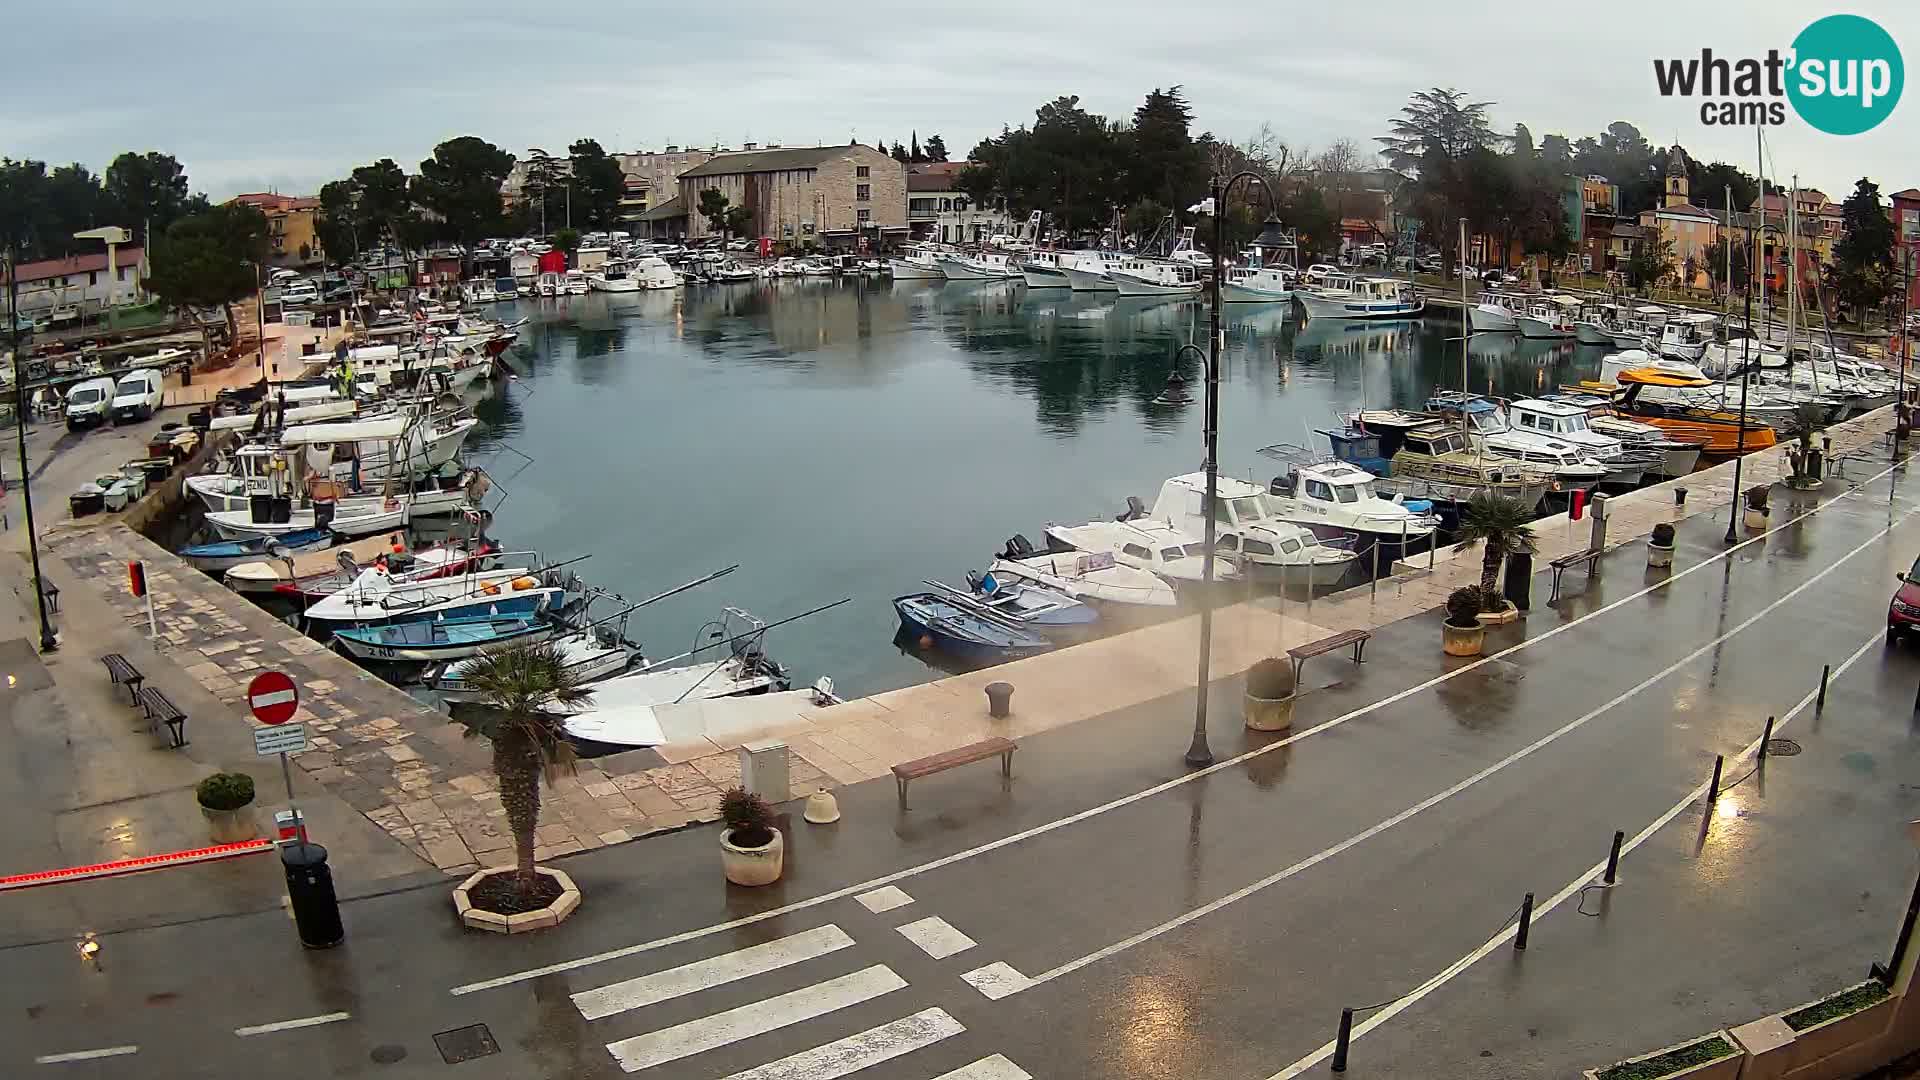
<point x="300" y="293"/>
<point x="88" y="403"/>
<point x="1497" y="277"/>
<point x="741" y="245"/>
<point x="136" y="396"/>
<point x="1903" y="611"/>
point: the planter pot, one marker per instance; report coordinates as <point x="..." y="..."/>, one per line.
<point x="1724" y="1068"/>
<point x="1841" y="1035"/>
<point x="553" y="914"/>
<point x="1268" y="714"/>
<point x="1659" y="556"/>
<point x="231" y="826"/>
<point x="1507" y="613"/>
<point x="1269" y="691"/>
<point x="1755" y="520"/>
<point x="756" y="865"/>
<point x="1462" y="640"/>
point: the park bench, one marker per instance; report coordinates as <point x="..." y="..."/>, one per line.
<point x="124" y="674"/>
<point x="960" y="755"/>
<point x="1567" y="562"/>
<point x="162" y="711"/>
<point x="1357" y="639"/>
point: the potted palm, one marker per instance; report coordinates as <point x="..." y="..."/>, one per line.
<point x="1755" y="517"/>
<point x="1461" y="633"/>
<point x="521" y="691"/>
<point x="1501" y="521"/>
<point x="1269" y="697"/>
<point x="751" y="849"/>
<point x="226" y="801"/>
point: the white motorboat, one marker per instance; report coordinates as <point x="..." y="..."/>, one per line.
<point x="1087" y="271"/>
<point x="349" y="517"/>
<point x="479" y="291"/>
<point x="1248" y="529"/>
<point x="1497" y="313"/>
<point x="980" y="266"/>
<point x="1568" y="423"/>
<point x="1685" y="336"/>
<point x="1638" y="325"/>
<point x="1155" y="277"/>
<point x="375" y="585"/>
<point x="1488" y="431"/>
<point x="1599" y="324"/>
<point x="1258" y="285"/>
<point x="1334" y="499"/>
<point x="1041" y="270"/>
<point x="1178" y="557"/>
<point x="589" y="655"/>
<point x="548" y="283"/>
<point x="1550" y="318"/>
<point x="916" y="263"/>
<point x="1679" y="456"/>
<point x="575" y="283"/>
<point x="614" y="276"/>
<point x="1095" y="576"/>
<point x="1685" y="386"/>
<point x="1344" y="297"/>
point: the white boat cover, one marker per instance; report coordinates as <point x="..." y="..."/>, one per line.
<point x="326" y="410"/>
<point x="388" y="427"/>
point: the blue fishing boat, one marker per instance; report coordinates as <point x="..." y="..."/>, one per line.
<point x="226" y="554"/>
<point x="1027" y="602"/>
<point x="441" y="639"/>
<point x="961" y="630"/>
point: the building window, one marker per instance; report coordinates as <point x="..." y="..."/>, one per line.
<point x="123" y="273"/>
<point x="864" y="216"/>
<point x="862" y="193"/>
<point x="93" y="277"/>
<point x="862" y="171"/>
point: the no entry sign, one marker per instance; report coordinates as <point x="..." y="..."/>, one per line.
<point x="273" y="697"/>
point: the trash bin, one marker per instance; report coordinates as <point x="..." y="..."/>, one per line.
<point x="316" y="913"/>
<point x="1518" y="585"/>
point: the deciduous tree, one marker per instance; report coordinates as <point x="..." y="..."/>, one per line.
<point x="1863" y="273"/>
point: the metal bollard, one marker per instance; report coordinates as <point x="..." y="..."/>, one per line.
<point x="1713" y="789"/>
<point x="1341" y="1040"/>
<point x="1766" y="736"/>
<point x="1820" y="701"/>
<point x="1613" y="859"/>
<point x="1526" y="924"/>
<point x="1679" y="496"/>
<point x="1374" y="585"/>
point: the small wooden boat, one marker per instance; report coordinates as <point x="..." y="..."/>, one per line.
<point x="225" y="554"/>
<point x="440" y="639"/>
<point x="936" y="621"/>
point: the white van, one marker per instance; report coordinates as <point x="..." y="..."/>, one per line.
<point x="88" y="403"/>
<point x="136" y="396"/>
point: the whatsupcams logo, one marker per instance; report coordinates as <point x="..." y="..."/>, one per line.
<point x="1843" y="76"/>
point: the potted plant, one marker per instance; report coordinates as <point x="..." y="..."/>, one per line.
<point x="752" y="851"/>
<point x="1461" y="633"/>
<point x="1755" y="517"/>
<point x="1269" y="695"/>
<point x="519" y="689"/>
<point x="1501" y="522"/>
<point x="226" y="801"/>
<point x="1660" y="546"/>
<point x="1710" y="1057"/>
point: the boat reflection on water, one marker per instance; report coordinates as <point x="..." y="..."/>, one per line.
<point x="1343" y="338"/>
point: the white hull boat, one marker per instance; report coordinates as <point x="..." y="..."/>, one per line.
<point x="909" y="270"/>
<point x="1082" y="279"/>
<point x="1540" y="329"/>
<point x="588" y="656"/>
<point x="1084" y="576"/>
<point x="1044" y="277"/>
<point x="1490" y="318"/>
<point x="352" y="518"/>
<point x="1177" y="557"/>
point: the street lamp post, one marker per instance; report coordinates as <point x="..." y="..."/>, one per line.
<point x="1199" y="754"/>
<point x="1748" y="350"/>
<point x="47" y="642"/>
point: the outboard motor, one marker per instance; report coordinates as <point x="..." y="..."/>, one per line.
<point x="1135" y="509"/>
<point x="1018" y="547"/>
<point x="1282" y="485"/>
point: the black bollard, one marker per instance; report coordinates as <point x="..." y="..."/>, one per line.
<point x="1766" y="737"/>
<point x="1679" y="496"/>
<point x="1613" y="858"/>
<point x="316" y="911"/>
<point x="1341" y="1040"/>
<point x="1713" y="789"/>
<point x="1526" y="924"/>
<point x="1820" y="702"/>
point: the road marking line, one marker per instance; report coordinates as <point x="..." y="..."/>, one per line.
<point x="884" y="899"/>
<point x="996" y="1067"/>
<point x="1572" y="889"/>
<point x="289" y="1025"/>
<point x="713" y="971"/>
<point x="1434" y="800"/>
<point x="722" y="1028"/>
<point x="86" y="1055"/>
<point x="997" y="980"/>
<point x="990" y="846"/>
<point x="856" y="1052"/>
<point x="936" y="937"/>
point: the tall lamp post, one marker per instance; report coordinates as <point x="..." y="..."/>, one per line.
<point x="1748" y="351"/>
<point x="47" y="642"/>
<point x="1199" y="754"/>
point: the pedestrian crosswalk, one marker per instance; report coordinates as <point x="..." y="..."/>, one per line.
<point x="820" y="954"/>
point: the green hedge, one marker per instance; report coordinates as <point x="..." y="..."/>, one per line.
<point x="1672" y="1061"/>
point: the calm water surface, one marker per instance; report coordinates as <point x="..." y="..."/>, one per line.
<point x="850" y="439"/>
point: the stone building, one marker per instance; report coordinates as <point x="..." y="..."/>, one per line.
<point x="653" y="178"/>
<point x="842" y="197"/>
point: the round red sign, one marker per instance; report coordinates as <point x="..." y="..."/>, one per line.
<point x="273" y="697"/>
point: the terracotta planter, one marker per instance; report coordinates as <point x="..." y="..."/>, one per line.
<point x="756" y="865"/>
<point x="1507" y="613"/>
<point x="1754" y="520"/>
<point x="1462" y="640"/>
<point x="538" y="919"/>
<point x="231" y="826"/>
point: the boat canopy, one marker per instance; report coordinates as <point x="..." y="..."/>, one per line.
<point x="326" y="410"/>
<point x="388" y="427"/>
<point x="1696" y="318"/>
<point x="1656" y="377"/>
<point x="1568" y="302"/>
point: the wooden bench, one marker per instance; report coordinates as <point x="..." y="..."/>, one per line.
<point x="162" y="711"/>
<point x="1567" y="562"/>
<point x="959" y="755"/>
<point x="124" y="674"/>
<point x="1303" y="653"/>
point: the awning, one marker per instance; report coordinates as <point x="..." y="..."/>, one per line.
<point x="391" y="427"/>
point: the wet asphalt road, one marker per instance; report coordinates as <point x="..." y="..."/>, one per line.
<point x="1214" y="928"/>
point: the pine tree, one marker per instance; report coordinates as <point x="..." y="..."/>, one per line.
<point x="1862" y="274"/>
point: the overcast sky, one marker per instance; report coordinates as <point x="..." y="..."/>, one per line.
<point x="254" y="96"/>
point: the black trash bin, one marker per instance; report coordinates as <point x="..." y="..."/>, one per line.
<point x="260" y="509"/>
<point x="316" y="913"/>
<point x="1518" y="586"/>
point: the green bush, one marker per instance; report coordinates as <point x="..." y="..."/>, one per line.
<point x="1672" y="1061"/>
<point x="1841" y="1004"/>
<point x="1464" y="606"/>
<point x="225" y="791"/>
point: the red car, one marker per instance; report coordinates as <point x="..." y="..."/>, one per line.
<point x="1903" y="611"/>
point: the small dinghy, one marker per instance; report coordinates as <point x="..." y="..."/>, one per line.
<point x="226" y="554"/>
<point x="429" y="640"/>
<point x="963" y="630"/>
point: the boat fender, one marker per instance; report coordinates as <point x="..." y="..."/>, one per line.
<point x="491" y="588"/>
<point x="520" y="583"/>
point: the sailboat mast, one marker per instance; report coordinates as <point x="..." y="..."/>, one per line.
<point x="1760" y="262"/>
<point x="1466" y="337"/>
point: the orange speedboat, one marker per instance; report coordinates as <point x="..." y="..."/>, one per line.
<point x="1653" y="396"/>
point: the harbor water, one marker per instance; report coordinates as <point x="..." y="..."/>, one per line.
<point x="852" y="438"/>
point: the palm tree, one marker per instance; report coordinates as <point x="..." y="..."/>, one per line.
<point x="1500" y="520"/>
<point x="519" y="686"/>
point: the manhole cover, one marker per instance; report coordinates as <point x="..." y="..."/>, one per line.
<point x="465" y="1044"/>
<point x="1782" y="748"/>
<point x="387" y="1054"/>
